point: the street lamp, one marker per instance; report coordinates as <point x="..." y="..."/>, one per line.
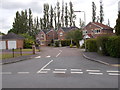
<point x="85" y="24"/>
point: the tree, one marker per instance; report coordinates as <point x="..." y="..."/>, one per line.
<point x="62" y="15"/>
<point x="71" y="14"/>
<point x="41" y="23"/>
<point x="82" y="24"/>
<point x="55" y="21"/>
<point x="58" y="15"/>
<point x="66" y="15"/>
<point x="93" y="12"/>
<point x="108" y="22"/>
<point x="117" y="26"/>
<point x="36" y="26"/>
<point x="51" y="17"/>
<point x="101" y="12"/>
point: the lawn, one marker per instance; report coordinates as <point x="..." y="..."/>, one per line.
<point x="25" y="50"/>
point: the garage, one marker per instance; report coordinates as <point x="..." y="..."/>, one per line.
<point x="12" y="44"/>
<point x="2" y="44"/>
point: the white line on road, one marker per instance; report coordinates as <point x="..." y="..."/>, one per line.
<point x="61" y="69"/>
<point x="48" y="56"/>
<point x="46" y="69"/>
<point x="5" y="72"/>
<point x="43" y="72"/>
<point x="38" y="57"/>
<point x="45" y="66"/>
<point x="93" y="70"/>
<point x="78" y="72"/>
<point x="23" y="72"/>
<point x="58" y="72"/>
<point x="58" y="54"/>
<point x="113" y="71"/>
<point x="95" y="73"/>
<point x="113" y="74"/>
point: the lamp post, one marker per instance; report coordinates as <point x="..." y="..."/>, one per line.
<point x="85" y="24"/>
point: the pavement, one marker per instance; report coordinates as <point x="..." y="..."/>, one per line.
<point x="107" y="60"/>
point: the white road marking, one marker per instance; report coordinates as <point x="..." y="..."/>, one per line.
<point x="113" y="74"/>
<point x="95" y="73"/>
<point x="48" y="56"/>
<point x="43" y="72"/>
<point x="78" y="72"/>
<point x="38" y="57"/>
<point x="113" y="71"/>
<point x="46" y="69"/>
<point x="58" y="54"/>
<point x="58" y="72"/>
<point x="93" y="70"/>
<point x="23" y="72"/>
<point x="5" y="72"/>
<point x="45" y="66"/>
<point x="61" y="69"/>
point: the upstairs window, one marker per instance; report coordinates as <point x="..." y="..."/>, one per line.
<point x="61" y="33"/>
<point x="42" y="36"/>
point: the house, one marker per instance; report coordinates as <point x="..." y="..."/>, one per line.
<point x="11" y="40"/>
<point x="63" y="31"/>
<point x="46" y="36"/>
<point x="95" y="29"/>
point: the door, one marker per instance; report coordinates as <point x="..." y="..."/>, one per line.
<point x="2" y="44"/>
<point x="12" y="44"/>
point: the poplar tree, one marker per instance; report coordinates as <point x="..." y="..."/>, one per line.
<point x="117" y="26"/>
<point x="62" y="15"/>
<point x="71" y="14"/>
<point x="51" y="17"/>
<point x="58" y="15"/>
<point x="93" y="12"/>
<point x="66" y="15"/>
<point x="101" y="12"/>
<point x="55" y="21"/>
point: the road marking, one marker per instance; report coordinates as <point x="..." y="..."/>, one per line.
<point x="78" y="72"/>
<point x="46" y="69"/>
<point x="113" y="74"/>
<point x="113" y="71"/>
<point x="93" y="70"/>
<point x="38" y="57"/>
<point x="95" y="73"/>
<point x="43" y="72"/>
<point x="61" y="69"/>
<point x="58" y="72"/>
<point x="23" y="72"/>
<point x="48" y="56"/>
<point x="58" y="54"/>
<point x="5" y="72"/>
<point x="45" y="66"/>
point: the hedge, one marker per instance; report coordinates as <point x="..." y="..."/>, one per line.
<point x="113" y="46"/>
<point x="91" y="45"/>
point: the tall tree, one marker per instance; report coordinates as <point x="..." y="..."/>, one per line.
<point x="41" y="24"/>
<point x="66" y="15"/>
<point x="117" y="26"/>
<point x="93" y="12"/>
<point x="101" y="12"/>
<point x="71" y="14"/>
<point x="51" y="17"/>
<point x="62" y="15"/>
<point x="55" y="17"/>
<point x="58" y="15"/>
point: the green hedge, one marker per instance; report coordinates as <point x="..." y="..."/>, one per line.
<point x="56" y="43"/>
<point x="91" y="45"/>
<point x="113" y="46"/>
<point x="101" y="44"/>
<point x="65" y="42"/>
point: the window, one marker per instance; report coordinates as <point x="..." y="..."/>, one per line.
<point x="42" y="36"/>
<point x="61" y="33"/>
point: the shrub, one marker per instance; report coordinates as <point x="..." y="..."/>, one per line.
<point x="101" y="44"/>
<point x="28" y="43"/>
<point x="56" y="43"/>
<point x="113" y="46"/>
<point x="71" y="45"/>
<point x="65" y="42"/>
<point x="91" y="45"/>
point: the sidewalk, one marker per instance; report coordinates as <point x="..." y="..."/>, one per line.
<point x="17" y="59"/>
<point x="107" y="60"/>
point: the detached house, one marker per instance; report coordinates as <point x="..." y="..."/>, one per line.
<point x="45" y="36"/>
<point x="63" y="31"/>
<point x="95" y="29"/>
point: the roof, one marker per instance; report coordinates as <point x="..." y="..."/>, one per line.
<point x="66" y="29"/>
<point x="12" y="36"/>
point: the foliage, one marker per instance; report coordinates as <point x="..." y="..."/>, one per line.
<point x="101" y="44"/>
<point x="71" y="45"/>
<point x="65" y="42"/>
<point x="93" y="12"/>
<point x="66" y="15"/>
<point x="101" y="12"/>
<point x="56" y="43"/>
<point x="117" y="27"/>
<point x="91" y="45"/>
<point x="113" y="46"/>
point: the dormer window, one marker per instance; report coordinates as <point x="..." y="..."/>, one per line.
<point x="61" y="33"/>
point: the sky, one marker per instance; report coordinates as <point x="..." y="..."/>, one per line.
<point x="8" y="9"/>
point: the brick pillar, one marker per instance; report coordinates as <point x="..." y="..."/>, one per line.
<point x="6" y="44"/>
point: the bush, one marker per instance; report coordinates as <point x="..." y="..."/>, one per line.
<point x="91" y="45"/>
<point x="65" y="42"/>
<point x="28" y="43"/>
<point x="113" y="46"/>
<point x="56" y="43"/>
<point x="71" y="45"/>
<point x="101" y="44"/>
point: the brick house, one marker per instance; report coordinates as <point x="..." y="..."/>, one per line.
<point x="63" y="31"/>
<point x="95" y="29"/>
<point x="11" y="40"/>
<point x="45" y="36"/>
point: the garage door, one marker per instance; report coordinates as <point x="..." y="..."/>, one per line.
<point x="2" y="45"/>
<point x="11" y="44"/>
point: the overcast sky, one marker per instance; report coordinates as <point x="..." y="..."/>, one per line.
<point x="8" y="10"/>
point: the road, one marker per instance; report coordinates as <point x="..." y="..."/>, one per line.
<point x="59" y="68"/>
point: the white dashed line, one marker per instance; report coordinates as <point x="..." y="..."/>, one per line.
<point x="38" y="57"/>
<point x="48" y="56"/>
<point x="93" y="70"/>
<point x="23" y="72"/>
<point x="95" y="73"/>
<point x="61" y="69"/>
<point x="78" y="72"/>
<point x="5" y="72"/>
<point x="58" y="72"/>
<point x="113" y="74"/>
<point x="113" y="71"/>
<point x="45" y="66"/>
<point x="58" y="54"/>
<point x="43" y="72"/>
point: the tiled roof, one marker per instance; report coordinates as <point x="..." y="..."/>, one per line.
<point x="12" y="36"/>
<point x="66" y="29"/>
